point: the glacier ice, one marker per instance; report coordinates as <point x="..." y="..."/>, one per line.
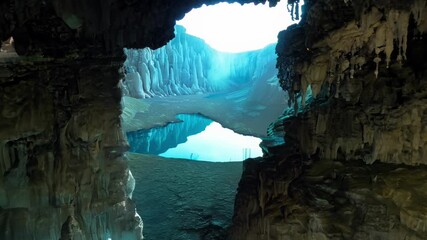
<point x="187" y="65"/>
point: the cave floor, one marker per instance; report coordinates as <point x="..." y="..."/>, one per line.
<point x="182" y="199"/>
<point x="232" y="110"/>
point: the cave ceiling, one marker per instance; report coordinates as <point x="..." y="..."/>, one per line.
<point x="61" y="27"/>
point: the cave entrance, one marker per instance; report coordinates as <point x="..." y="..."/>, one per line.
<point x="174" y="93"/>
<point x="220" y="64"/>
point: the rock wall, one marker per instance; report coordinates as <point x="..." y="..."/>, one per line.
<point x="63" y="171"/>
<point x="97" y="27"/>
<point x="349" y="161"/>
<point x="63" y="174"/>
<point x="187" y="65"/>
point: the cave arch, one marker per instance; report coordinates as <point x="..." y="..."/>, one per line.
<point x="60" y="114"/>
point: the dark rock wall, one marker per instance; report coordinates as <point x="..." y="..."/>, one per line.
<point x="349" y="161"/>
<point x="331" y="170"/>
<point x="63" y="174"/>
<point x="63" y="171"/>
<point x="92" y="25"/>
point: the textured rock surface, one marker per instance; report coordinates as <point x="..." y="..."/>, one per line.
<point x="58" y="27"/>
<point x="194" y="201"/>
<point x="63" y="173"/>
<point x="187" y="65"/>
<point x="349" y="161"/>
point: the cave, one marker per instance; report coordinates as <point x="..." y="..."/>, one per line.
<point x="206" y="96"/>
<point x="346" y="159"/>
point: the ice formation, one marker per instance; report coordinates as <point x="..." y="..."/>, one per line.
<point x="187" y="65"/>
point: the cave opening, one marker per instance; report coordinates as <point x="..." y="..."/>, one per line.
<point x="65" y="173"/>
<point x="221" y="64"/>
<point x="208" y="95"/>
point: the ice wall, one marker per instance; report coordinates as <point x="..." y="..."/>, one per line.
<point x="187" y="65"/>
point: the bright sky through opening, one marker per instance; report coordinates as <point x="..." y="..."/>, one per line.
<point x="237" y="28"/>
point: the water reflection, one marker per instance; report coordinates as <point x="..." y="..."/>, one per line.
<point x="196" y="138"/>
<point x="158" y="140"/>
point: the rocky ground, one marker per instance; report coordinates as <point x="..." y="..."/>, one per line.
<point x="198" y="202"/>
<point x="182" y="199"/>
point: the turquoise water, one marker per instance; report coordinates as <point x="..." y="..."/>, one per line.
<point x="195" y="138"/>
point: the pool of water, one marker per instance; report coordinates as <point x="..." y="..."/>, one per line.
<point x="197" y="138"/>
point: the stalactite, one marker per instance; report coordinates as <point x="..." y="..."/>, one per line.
<point x="381" y="30"/>
<point x="389" y="45"/>
<point x="293" y="9"/>
<point x="374" y="125"/>
<point x="418" y="10"/>
<point x="377" y="61"/>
